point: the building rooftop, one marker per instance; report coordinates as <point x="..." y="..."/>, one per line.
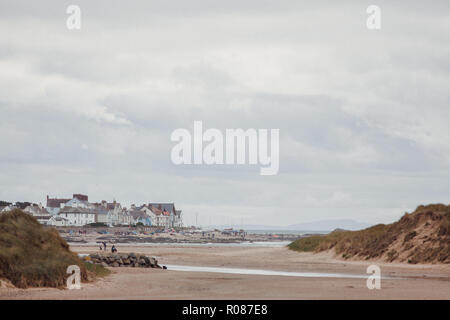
<point x="75" y="210"/>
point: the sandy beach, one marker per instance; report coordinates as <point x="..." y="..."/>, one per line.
<point x="400" y="281"/>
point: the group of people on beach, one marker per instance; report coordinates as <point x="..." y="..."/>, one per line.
<point x="103" y="247"/>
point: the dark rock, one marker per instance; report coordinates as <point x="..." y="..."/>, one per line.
<point x="152" y="261"/>
<point x="123" y="260"/>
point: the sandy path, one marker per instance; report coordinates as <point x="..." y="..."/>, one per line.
<point x="136" y="283"/>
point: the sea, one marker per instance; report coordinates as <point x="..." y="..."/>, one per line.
<point x="278" y="231"/>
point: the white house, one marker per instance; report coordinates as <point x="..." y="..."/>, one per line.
<point x="78" y="216"/>
<point x="78" y="200"/>
<point x="39" y="212"/>
<point x="162" y="217"/>
<point x="177" y="219"/>
<point x="36" y="210"/>
<point x="127" y="218"/>
<point x="149" y="213"/>
<point x="139" y="217"/>
<point x="54" y="205"/>
<point x="166" y="215"/>
<point x="114" y="213"/>
<point x="58" y="221"/>
<point x="7" y="208"/>
<point x="102" y="214"/>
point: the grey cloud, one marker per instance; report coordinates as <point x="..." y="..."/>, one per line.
<point x="363" y="116"/>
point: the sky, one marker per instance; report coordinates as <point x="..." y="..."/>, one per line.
<point x="363" y="114"/>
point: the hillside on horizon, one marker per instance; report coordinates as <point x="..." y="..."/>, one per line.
<point x="320" y="225"/>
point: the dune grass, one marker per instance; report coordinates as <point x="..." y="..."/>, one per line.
<point x="375" y="241"/>
<point x="32" y="256"/>
<point x="96" y="269"/>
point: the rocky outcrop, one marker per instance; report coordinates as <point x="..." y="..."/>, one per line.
<point x="123" y="260"/>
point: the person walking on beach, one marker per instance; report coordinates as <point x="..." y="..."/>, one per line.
<point x="104" y="246"/>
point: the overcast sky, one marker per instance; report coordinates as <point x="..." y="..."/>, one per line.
<point x="364" y="115"/>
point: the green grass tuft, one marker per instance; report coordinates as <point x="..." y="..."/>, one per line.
<point x="97" y="270"/>
<point x="307" y="244"/>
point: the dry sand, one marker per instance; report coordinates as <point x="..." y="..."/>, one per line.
<point x="417" y="281"/>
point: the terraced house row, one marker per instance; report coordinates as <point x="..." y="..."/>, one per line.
<point x="78" y="211"/>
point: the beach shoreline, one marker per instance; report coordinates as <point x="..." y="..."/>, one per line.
<point x="411" y="281"/>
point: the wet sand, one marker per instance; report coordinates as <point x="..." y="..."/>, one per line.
<point x="413" y="282"/>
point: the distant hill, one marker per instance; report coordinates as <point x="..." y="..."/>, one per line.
<point x="321" y="225"/>
<point x="330" y="225"/>
<point x="419" y="237"/>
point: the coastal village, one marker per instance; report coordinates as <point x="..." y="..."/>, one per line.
<point x="81" y="221"/>
<point x="78" y="211"/>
